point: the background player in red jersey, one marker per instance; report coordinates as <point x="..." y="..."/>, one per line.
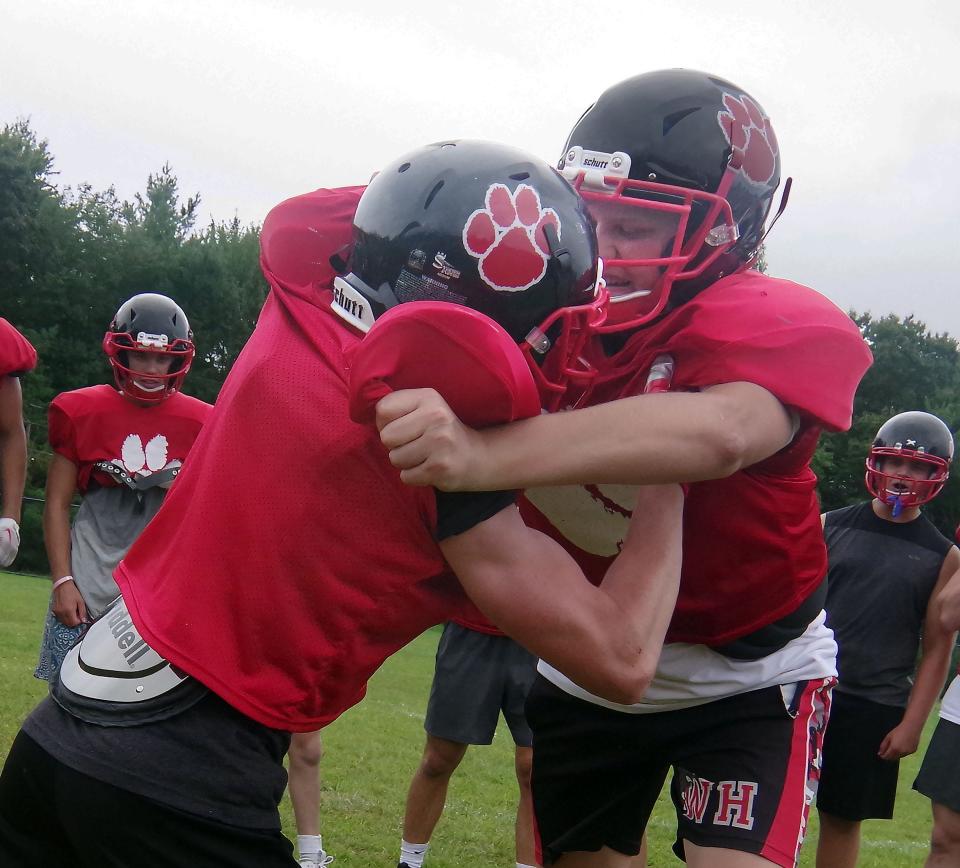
<point x="121" y="448"/>
<point x="17" y="357"/>
<point x="726" y="377"/>
<point x="289" y="560"/>
<point x="887" y="564"/>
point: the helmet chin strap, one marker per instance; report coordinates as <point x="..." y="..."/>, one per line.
<point x="784" y="197"/>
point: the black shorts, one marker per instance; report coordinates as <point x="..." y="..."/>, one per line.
<point x="855" y="784"/>
<point x="53" y="815"/>
<point x="938" y="779"/>
<point x="477" y="676"/>
<point x="744" y="770"/>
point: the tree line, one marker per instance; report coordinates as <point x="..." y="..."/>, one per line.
<point x="70" y="256"/>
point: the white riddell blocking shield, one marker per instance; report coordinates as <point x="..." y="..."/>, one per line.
<point x="113" y="677"/>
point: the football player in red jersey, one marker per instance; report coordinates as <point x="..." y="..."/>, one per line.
<point x="17" y="357"/>
<point x="707" y="373"/>
<point x="289" y="560"/>
<point x="121" y="448"/>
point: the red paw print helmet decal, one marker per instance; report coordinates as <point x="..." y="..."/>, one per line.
<point x="749" y="133"/>
<point x="508" y="236"/>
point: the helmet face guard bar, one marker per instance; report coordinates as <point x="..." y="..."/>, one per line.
<point x="686" y="257"/>
<point x="904" y="491"/>
<point x="149" y="388"/>
<point x="555" y="350"/>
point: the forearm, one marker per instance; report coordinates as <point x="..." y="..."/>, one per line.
<point x="56" y="538"/>
<point x="948" y="604"/>
<point x="13" y="470"/>
<point x="929" y="681"/>
<point x="645" y="577"/>
<point x="649" y="439"/>
<point x="558" y="616"/>
<point x="13" y="448"/>
<point x="606" y="639"/>
<point x="531" y="588"/>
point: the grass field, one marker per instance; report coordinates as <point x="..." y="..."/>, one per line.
<point x="373" y="749"/>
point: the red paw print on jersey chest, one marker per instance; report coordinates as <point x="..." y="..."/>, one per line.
<point x="748" y="131"/>
<point x="508" y="237"/>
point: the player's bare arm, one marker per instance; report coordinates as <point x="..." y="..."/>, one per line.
<point x="68" y="603"/>
<point x="649" y="599"/>
<point x="13" y="448"/>
<point x="606" y="639"/>
<point x="650" y="439"/>
<point x="936" y="647"/>
<point x="947" y="601"/>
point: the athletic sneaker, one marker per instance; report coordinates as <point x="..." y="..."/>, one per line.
<point x="320" y="862"/>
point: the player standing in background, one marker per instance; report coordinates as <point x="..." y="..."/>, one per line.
<point x="479" y="673"/>
<point x="17" y="357"/>
<point x="726" y="378"/>
<point x="303" y="782"/>
<point x="121" y="448"/>
<point x="887" y="563"/>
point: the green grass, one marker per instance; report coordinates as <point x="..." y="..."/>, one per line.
<point x="373" y="749"/>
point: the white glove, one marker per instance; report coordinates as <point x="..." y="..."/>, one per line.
<point x="9" y="541"/>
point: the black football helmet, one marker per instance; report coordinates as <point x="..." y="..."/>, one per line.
<point x="683" y="167"/>
<point x="487" y="226"/>
<point x="149" y="323"/>
<point x="921" y="437"/>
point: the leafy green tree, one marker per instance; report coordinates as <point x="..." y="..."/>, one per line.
<point x="70" y="257"/>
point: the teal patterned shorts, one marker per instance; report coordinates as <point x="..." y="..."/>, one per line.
<point x="57" y="640"/>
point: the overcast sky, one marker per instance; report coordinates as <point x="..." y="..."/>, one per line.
<point x="253" y="101"/>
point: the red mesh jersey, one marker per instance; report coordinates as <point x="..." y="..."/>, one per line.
<point x="289" y="560"/>
<point x="753" y="547"/>
<point x="98" y="424"/>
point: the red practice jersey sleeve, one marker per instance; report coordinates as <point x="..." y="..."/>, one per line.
<point x="17" y="355"/>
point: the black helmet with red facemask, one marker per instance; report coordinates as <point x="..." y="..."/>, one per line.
<point x="489" y="227"/>
<point x="149" y="323"/>
<point x="921" y="437"/>
<point x="682" y="166"/>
